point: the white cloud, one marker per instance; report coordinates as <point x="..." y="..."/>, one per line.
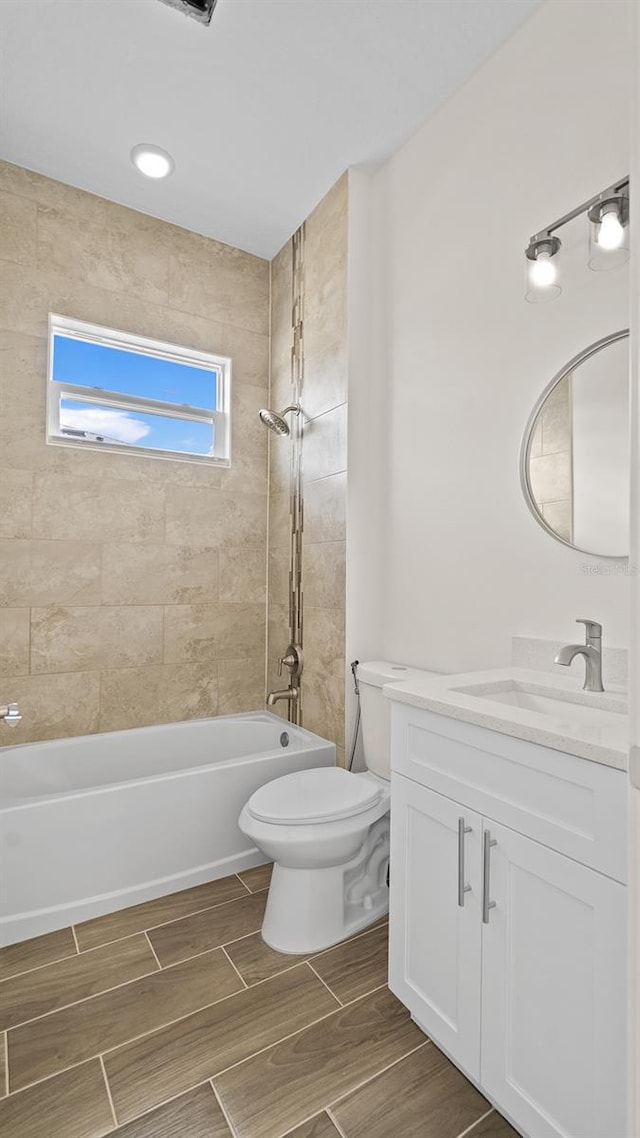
<point x="114" y="425"/>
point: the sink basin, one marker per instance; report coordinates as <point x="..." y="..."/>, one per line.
<point x="570" y="707"/>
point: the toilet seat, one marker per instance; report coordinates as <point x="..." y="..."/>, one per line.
<point x="303" y="798"/>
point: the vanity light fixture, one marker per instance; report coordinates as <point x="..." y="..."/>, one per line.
<point x="608" y="216"/>
<point x="542" y="269"/>
<point x="151" y="160"/>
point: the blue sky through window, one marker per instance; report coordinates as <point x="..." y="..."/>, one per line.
<point x="130" y="373"/>
<point x="137" y="428"/>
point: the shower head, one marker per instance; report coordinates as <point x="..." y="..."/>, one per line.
<point x="276" y="422"/>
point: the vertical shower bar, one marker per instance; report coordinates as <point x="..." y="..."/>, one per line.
<point x="295" y="477"/>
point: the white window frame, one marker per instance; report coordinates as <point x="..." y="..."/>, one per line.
<point x="220" y="366"/>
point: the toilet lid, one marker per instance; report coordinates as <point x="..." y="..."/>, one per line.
<point x="320" y="795"/>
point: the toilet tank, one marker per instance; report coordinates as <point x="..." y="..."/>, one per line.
<point x="376" y="710"/>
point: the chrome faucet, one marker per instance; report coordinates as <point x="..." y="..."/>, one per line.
<point x="10" y="712"/>
<point x="290" y="694"/>
<point x="592" y="652"/>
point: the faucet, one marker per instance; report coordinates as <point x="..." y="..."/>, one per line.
<point x="10" y="712"/>
<point x="592" y="652"/>
<point x="290" y="694"/>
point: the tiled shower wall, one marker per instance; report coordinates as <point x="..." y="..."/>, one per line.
<point x="133" y="588"/>
<point x="324" y="464"/>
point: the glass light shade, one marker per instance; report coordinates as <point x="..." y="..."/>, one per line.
<point x="542" y="278"/>
<point x="608" y="237"/>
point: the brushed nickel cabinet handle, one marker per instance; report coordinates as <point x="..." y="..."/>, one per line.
<point x="487" y="905"/>
<point x="462" y="887"/>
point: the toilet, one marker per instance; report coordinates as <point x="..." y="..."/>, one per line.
<point x="327" y="832"/>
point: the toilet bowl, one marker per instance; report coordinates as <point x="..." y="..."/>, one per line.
<point x="327" y="832"/>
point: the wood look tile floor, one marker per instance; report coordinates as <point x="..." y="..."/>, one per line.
<point x="173" y="1019"/>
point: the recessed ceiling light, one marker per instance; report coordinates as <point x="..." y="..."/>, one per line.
<point x="152" y="161"/>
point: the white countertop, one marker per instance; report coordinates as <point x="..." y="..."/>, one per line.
<point x="592" y="725"/>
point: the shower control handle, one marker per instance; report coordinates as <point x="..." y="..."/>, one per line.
<point x="292" y="661"/>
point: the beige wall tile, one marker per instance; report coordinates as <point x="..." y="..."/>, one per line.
<point x="89" y="639"/>
<point x="325" y="379"/>
<point x="281" y="302"/>
<point x="97" y="509"/>
<point x="325" y="444"/>
<point x="159" y="574"/>
<point x="248" y="471"/>
<point x="325" y="509"/>
<point x="15" y="503"/>
<point x="240" y="686"/>
<point x="279" y="576"/>
<point x="106" y="256"/>
<point x="233" y="289"/>
<point x="140" y="697"/>
<point x="214" y="518"/>
<point x="249" y="352"/>
<point x="14" y="642"/>
<point x="324" y="639"/>
<point x="17" y="229"/>
<point x="55" y="706"/>
<point x="279" y="519"/>
<point x="207" y="633"/>
<point x="243" y="575"/>
<point x="49" y="572"/>
<point x="326" y="271"/>
<point x="323" y="704"/>
<point x="324" y="574"/>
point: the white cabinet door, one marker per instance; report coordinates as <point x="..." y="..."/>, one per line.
<point x="435" y="941"/>
<point x="553" y="992"/>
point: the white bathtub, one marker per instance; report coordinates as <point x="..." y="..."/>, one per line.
<point x="94" y="824"/>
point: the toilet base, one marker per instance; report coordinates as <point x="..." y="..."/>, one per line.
<point x="311" y="909"/>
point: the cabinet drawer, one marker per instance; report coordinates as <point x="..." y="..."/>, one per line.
<point x="569" y="804"/>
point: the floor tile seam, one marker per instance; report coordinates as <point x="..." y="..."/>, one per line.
<point x="378" y="988"/>
<point x="159" y="1105"/>
<point x="162" y="924"/>
<point x="329" y="1113"/>
<point x="297" y="958"/>
<point x="329" y="990"/>
<point x="244" y="884"/>
<point x="5" y="1045"/>
<point x="133" y="1039"/>
<point x="72" y="956"/>
<point x="469" y="1130"/>
<point x="303" y="1121"/>
<point x="108" y="1090"/>
<point x="342" y="943"/>
<point x="153" y="951"/>
<point x="37" y="967"/>
<point x="232" y="1129"/>
<point x="75" y="938"/>
<point x="383" y="1070"/>
<point x="236" y="970"/>
<point x="87" y="999"/>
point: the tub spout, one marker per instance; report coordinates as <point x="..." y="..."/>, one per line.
<point x="290" y="694"/>
<point x="10" y="713"/>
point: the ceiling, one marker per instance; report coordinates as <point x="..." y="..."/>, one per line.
<point x="262" y="111"/>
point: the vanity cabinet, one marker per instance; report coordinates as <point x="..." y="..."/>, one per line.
<point x="511" y="954"/>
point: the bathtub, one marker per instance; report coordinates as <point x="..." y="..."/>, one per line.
<point x="94" y="824"/>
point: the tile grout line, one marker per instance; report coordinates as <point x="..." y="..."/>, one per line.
<point x="108" y="1090"/>
<point x="171" y="1023"/>
<point x="244" y="884"/>
<point x="5" y="1045"/>
<point x="382" y="1071"/>
<point x="335" y="1122"/>
<point x="163" y="924"/>
<point x="155" y="957"/>
<point x="75" y="940"/>
<point x="56" y="960"/>
<point x="470" y="1129"/>
<point x="232" y="1129"/>
<point x="236" y="970"/>
<point x="331" y="993"/>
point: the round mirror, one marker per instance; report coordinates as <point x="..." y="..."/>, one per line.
<point x="574" y="463"/>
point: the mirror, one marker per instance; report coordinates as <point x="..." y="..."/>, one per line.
<point x="574" y="463"/>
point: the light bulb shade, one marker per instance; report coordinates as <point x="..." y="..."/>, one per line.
<point x="542" y="270"/>
<point x="609" y="233"/>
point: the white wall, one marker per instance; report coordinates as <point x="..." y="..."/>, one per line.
<point x="457" y="557"/>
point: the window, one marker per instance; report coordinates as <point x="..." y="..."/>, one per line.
<point x="114" y="391"/>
